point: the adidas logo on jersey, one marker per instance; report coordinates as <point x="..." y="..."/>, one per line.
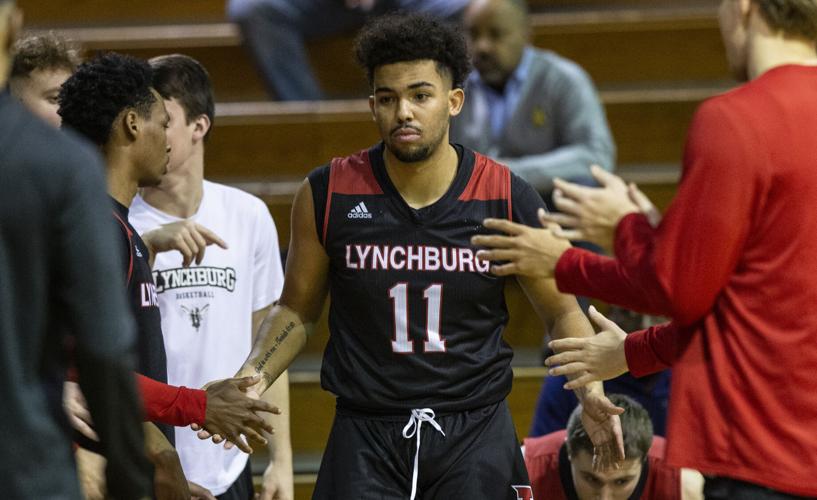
<point x="359" y="212"/>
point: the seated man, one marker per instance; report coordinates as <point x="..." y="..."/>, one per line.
<point x="536" y="112"/>
<point x="560" y="464"/>
<point x="275" y="32"/>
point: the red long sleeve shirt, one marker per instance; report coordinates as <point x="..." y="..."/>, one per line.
<point x="734" y="263"/>
<point x="171" y="405"/>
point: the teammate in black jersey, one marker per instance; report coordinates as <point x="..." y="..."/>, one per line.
<point x="416" y="320"/>
<point x="111" y="102"/>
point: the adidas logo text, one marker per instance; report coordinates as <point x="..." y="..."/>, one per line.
<point x="359" y="212"/>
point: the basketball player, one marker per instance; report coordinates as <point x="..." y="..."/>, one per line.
<point x="730" y="263"/>
<point x="416" y="322"/>
<point x="219" y="313"/>
<point x="110" y="101"/>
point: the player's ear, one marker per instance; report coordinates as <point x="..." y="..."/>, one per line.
<point x="201" y="126"/>
<point x="456" y="98"/>
<point x="131" y="124"/>
<point x="371" y="107"/>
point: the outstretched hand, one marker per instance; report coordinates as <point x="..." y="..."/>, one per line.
<point x="600" y="418"/>
<point x="522" y="250"/>
<point x="591" y="213"/>
<point x="590" y="359"/>
<point x="186" y="236"/>
<point x="232" y="408"/>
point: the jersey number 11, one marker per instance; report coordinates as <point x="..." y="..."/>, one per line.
<point x="434" y="297"/>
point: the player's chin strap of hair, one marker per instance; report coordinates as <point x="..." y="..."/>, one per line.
<point x="413" y="427"/>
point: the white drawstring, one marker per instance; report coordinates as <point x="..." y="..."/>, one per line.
<point x="412" y="428"/>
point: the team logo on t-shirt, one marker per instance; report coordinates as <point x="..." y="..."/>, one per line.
<point x="196" y="314"/>
<point x="187" y="277"/>
<point x="523" y="492"/>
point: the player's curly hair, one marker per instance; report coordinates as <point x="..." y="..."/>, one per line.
<point x="100" y="90"/>
<point x="400" y="37"/>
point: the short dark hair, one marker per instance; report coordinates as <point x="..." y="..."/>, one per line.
<point x="47" y="51"/>
<point x="399" y="37"/>
<point x="180" y="77"/>
<point x="100" y="90"/>
<point x="793" y="17"/>
<point x="635" y="424"/>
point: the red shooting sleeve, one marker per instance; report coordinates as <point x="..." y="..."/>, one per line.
<point x="172" y="405"/>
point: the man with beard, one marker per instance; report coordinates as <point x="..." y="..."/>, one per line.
<point x="416" y="322"/>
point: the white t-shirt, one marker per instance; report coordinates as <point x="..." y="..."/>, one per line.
<point x="207" y="309"/>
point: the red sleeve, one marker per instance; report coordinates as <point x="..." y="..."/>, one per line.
<point x="663" y="482"/>
<point x="679" y="269"/>
<point x="579" y="272"/>
<point x="651" y="350"/>
<point x="172" y="405"/>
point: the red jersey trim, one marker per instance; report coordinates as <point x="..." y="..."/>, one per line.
<point x="489" y="181"/>
<point x="350" y="175"/>
<point x="129" y="233"/>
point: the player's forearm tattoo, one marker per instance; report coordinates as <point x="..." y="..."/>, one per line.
<point x="276" y="343"/>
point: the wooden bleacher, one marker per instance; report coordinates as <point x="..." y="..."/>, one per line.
<point x="654" y="61"/>
<point x="619" y="47"/>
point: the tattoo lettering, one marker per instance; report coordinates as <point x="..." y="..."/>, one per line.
<point x="277" y="341"/>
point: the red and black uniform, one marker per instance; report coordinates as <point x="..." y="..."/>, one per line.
<point x="416" y="322"/>
<point x="733" y="264"/>
<point x="165" y="405"/>
<point x="552" y="478"/>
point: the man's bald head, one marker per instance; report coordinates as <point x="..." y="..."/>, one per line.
<point x="498" y="33"/>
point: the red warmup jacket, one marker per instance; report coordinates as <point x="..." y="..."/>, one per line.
<point x="542" y="461"/>
<point x="734" y="264"/>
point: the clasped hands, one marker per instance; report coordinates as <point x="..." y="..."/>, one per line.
<point x="232" y="412"/>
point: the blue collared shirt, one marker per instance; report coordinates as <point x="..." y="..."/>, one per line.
<point x="501" y="105"/>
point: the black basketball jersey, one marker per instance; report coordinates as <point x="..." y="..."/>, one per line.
<point x="151" y="359"/>
<point x="415" y="319"/>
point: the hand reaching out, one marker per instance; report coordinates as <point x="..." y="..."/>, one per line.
<point x="522" y="250"/>
<point x="591" y="213"/>
<point x="603" y="426"/>
<point x="590" y="359"/>
<point x="186" y="236"/>
<point x="232" y="409"/>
